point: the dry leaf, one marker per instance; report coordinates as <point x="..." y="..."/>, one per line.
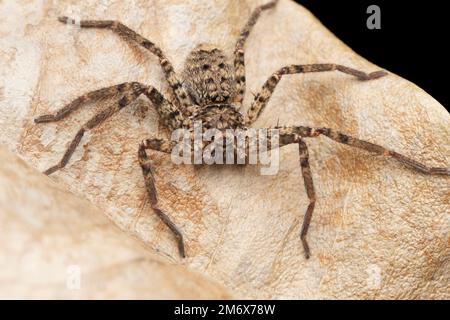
<point x="379" y="230"/>
<point x="55" y="245"/>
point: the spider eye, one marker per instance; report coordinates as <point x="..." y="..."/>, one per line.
<point x="222" y="65"/>
<point x="205" y="67"/>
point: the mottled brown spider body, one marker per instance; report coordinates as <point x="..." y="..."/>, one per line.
<point x="219" y="116"/>
<point x="208" y="77"/>
<point x="211" y="92"/>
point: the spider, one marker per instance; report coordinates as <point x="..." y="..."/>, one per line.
<point x="211" y="91"/>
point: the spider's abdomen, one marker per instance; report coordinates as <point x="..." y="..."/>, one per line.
<point x="207" y="76"/>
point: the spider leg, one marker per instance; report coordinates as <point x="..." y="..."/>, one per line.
<point x="96" y="120"/>
<point x="170" y="115"/>
<point x="89" y="98"/>
<point x="379" y="150"/>
<point x="147" y="170"/>
<point x="239" y="52"/>
<point x="289" y="134"/>
<point x="309" y="186"/>
<point x="130" y="35"/>
<point x="262" y="98"/>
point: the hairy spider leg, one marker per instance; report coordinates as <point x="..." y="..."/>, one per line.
<point x="261" y="99"/>
<point x="239" y="51"/>
<point x="130" y="91"/>
<point x="130" y="35"/>
<point x="291" y="135"/>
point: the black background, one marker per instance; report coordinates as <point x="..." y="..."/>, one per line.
<point x="165" y="309"/>
<point x="413" y="40"/>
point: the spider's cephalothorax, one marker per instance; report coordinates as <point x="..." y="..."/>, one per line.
<point x="212" y="92"/>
